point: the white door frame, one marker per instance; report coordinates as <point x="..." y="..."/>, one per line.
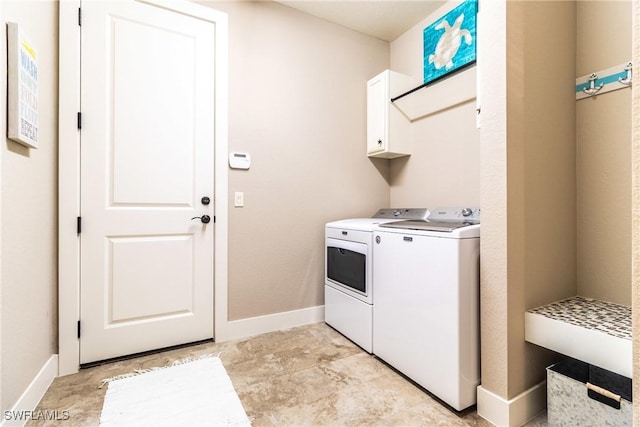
<point x="69" y="174"/>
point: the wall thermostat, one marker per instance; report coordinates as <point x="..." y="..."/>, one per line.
<point x="239" y="160"/>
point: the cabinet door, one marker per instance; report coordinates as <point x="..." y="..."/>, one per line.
<point x="377" y="110"/>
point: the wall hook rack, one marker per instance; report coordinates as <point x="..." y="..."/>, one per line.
<point x="629" y="78"/>
<point x="603" y="81"/>
<point x="592" y="89"/>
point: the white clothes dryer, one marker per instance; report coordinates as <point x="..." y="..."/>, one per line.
<point x="349" y="287"/>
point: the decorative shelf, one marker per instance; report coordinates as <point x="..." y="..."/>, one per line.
<point x="596" y="332"/>
<point x="456" y="89"/>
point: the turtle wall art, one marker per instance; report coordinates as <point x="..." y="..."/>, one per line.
<point x="450" y="41"/>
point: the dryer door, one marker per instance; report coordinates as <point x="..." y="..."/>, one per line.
<point x="347" y="264"/>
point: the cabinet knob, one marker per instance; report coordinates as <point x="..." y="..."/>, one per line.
<point x="379" y="142"/>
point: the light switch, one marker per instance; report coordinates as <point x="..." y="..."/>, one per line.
<point x="239" y="199"/>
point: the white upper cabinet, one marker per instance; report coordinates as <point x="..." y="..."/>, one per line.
<point x="388" y="129"/>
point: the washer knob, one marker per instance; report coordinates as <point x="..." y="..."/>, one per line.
<point x="467" y="212"/>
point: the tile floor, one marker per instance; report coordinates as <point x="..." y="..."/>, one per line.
<point x="306" y="376"/>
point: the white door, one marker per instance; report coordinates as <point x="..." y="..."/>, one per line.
<point x="147" y="144"/>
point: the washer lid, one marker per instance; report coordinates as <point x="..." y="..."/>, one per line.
<point x="442" y="226"/>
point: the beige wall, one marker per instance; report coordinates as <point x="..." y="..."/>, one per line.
<point x="635" y="209"/>
<point x="527" y="182"/>
<point x="603" y="126"/>
<point x="444" y="167"/>
<point x="298" y="106"/>
<point x="545" y="115"/>
<point x="29" y="216"/>
<point x="494" y="322"/>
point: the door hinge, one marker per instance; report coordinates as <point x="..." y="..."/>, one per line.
<point x="79" y="225"/>
<point x="80" y="17"/>
<point x="78" y="329"/>
<point x="79" y="120"/>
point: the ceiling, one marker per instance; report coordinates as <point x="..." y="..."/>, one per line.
<point x="383" y="19"/>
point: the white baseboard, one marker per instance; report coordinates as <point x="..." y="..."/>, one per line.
<point x="513" y="412"/>
<point x="22" y="411"/>
<point x="244" y="328"/>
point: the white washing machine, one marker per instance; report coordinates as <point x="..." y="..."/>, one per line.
<point x="348" y="291"/>
<point x="426" y="312"/>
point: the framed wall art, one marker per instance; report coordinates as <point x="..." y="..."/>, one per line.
<point x="450" y="42"/>
<point x="22" y="90"/>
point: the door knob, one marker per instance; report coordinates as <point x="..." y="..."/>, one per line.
<point x="206" y="219"/>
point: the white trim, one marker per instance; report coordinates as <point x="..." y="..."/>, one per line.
<point x="221" y="254"/>
<point x="513" y="412"/>
<point x="244" y="328"/>
<point x="68" y="188"/>
<point x="3" y="131"/>
<point x="33" y="393"/>
<point x="69" y="176"/>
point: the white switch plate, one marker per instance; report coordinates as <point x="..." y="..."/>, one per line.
<point x="239" y="199"/>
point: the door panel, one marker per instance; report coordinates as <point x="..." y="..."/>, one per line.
<point x="141" y="70"/>
<point x="147" y="139"/>
<point x="163" y="265"/>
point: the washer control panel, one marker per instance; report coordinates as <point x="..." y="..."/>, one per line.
<point x="467" y="214"/>
<point x="402" y="213"/>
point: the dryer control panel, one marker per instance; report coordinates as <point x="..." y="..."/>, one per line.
<point x="471" y="215"/>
